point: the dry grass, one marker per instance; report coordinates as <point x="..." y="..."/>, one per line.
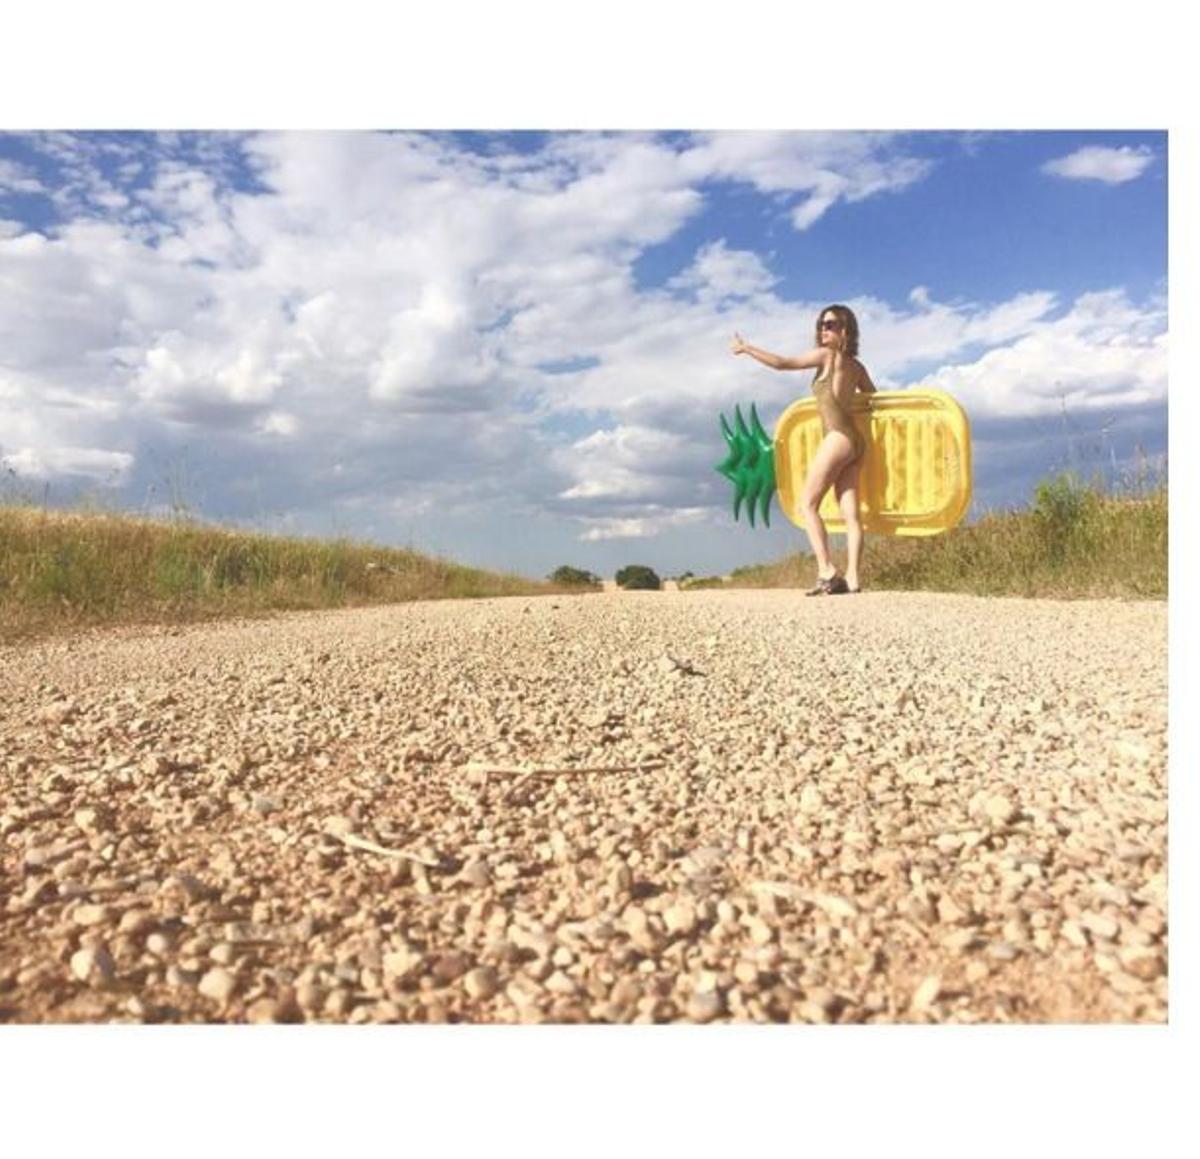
<point x="1074" y="541"/>
<point x="69" y="569"/>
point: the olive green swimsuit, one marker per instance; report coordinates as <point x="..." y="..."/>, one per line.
<point x="833" y="417"/>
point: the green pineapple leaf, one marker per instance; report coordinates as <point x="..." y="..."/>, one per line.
<point x="750" y="464"/>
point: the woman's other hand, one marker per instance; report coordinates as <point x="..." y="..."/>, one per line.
<point x="739" y="344"/>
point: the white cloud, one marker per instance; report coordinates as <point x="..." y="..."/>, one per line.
<point x="825" y="167"/>
<point x="719" y="273"/>
<point x="895" y="340"/>
<point x="1103" y="354"/>
<point x="18" y="178"/>
<point x="1102" y="163"/>
<point x="279" y="423"/>
<point x="643" y="527"/>
<point x="620" y="464"/>
<point x="108" y="467"/>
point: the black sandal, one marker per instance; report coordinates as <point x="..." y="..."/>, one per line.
<point x="834" y="585"/>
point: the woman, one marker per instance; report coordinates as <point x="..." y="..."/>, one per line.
<point x="836" y="464"/>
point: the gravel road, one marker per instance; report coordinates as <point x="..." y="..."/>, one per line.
<point x="707" y="806"/>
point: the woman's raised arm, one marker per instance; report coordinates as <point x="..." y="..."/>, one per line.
<point x="813" y="360"/>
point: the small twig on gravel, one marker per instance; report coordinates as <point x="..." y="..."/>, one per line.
<point x="781" y="889"/>
<point x="356" y="842"/>
<point x="129" y="885"/>
<point x="525" y="771"/>
<point x="520" y="782"/>
<point x="524" y="774"/>
<point x="685" y="666"/>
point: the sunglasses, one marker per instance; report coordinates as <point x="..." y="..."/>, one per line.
<point x="831" y="324"/>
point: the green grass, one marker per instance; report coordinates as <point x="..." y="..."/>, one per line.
<point x="68" y="569"/>
<point x="1075" y="540"/>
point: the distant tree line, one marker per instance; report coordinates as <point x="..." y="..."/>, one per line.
<point x="633" y="577"/>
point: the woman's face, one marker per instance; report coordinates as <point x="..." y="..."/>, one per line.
<point x="830" y="327"/>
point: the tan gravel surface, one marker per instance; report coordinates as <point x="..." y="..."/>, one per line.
<point x="701" y="806"/>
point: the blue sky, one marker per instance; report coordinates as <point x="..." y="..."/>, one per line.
<point x="512" y="348"/>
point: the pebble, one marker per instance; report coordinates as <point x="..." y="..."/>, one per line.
<point x="93" y="965"/>
<point x="950" y="911"/>
<point x="36" y="892"/>
<point x="1152" y="921"/>
<point x="524" y="994"/>
<point x="706" y="1006"/>
<point x="746" y="973"/>
<point x="91" y="820"/>
<point x="1099" y="924"/>
<point x="178" y="976"/>
<point x="820" y="1005"/>
<point x="1015" y="931"/>
<point x="1126" y="984"/>
<point x="560" y="983"/>
<point x="959" y="939"/>
<point x="976" y="971"/>
<point x="1000" y="810"/>
<point x="401" y="963"/>
<point x="186" y="884"/>
<point x="449" y="967"/>
<point x="92" y="915"/>
<point x="338" y="1004"/>
<point x="1143" y="963"/>
<point x="475" y="873"/>
<point x="263" y="1010"/>
<point x="239" y="933"/>
<point x="835" y="906"/>
<point x="137" y="922"/>
<point x="926" y="994"/>
<point x="310" y="996"/>
<point x="626" y="992"/>
<point x="218" y="984"/>
<point x="681" y="918"/>
<point x="137" y="1007"/>
<point x="481" y="983"/>
<point x="760" y="933"/>
<point x="1074" y="934"/>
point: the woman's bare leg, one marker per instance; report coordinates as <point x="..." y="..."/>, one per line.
<point x="827" y="464"/>
<point x="846" y="489"/>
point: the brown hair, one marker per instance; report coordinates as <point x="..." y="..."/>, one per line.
<point x="849" y="327"/>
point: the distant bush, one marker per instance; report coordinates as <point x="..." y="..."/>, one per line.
<point x="635" y="577"/>
<point x="1063" y="510"/>
<point x="694" y="582"/>
<point x="573" y="577"/>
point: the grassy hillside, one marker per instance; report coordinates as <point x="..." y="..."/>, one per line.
<point x="63" y="569"/>
<point x="1074" y="541"/>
